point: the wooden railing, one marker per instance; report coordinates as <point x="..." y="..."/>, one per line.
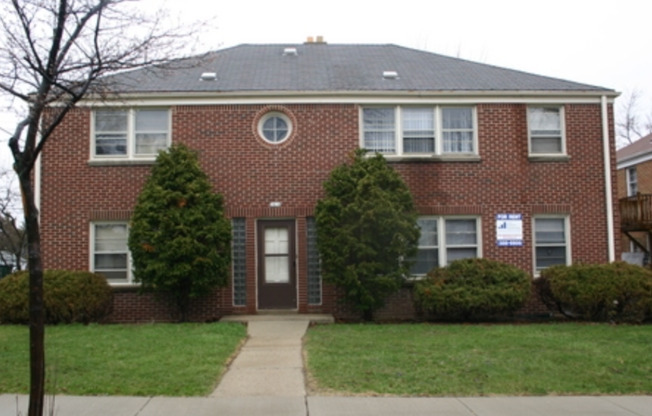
<point x="636" y="212"/>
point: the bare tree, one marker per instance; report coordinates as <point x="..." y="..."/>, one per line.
<point x="13" y="240"/>
<point x="53" y="54"/>
<point x="631" y="125"/>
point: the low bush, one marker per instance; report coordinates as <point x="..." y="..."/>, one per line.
<point x="472" y="289"/>
<point x="68" y="296"/>
<point x="617" y="292"/>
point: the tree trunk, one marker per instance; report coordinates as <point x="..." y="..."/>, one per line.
<point x="36" y="307"/>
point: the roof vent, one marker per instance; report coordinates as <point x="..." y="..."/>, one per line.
<point x="290" y="52"/>
<point x="208" y="76"/>
<point x="390" y="74"/>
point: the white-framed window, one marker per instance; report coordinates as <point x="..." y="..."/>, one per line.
<point x="632" y="181"/>
<point x="546" y="130"/>
<point x="130" y="133"/>
<point x="419" y="130"/>
<point x="110" y="253"/>
<point x="275" y="127"/>
<point x="551" y="242"/>
<point x="445" y="239"/>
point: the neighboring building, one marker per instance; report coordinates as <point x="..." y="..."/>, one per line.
<point x="502" y="164"/>
<point x="635" y="194"/>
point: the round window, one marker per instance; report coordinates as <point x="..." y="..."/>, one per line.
<point x="275" y="127"/>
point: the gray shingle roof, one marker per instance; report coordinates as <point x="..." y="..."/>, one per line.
<point x="319" y="67"/>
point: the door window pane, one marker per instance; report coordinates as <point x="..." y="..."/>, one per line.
<point x="276" y="255"/>
<point x="277" y="269"/>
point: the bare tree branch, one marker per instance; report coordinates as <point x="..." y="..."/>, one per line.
<point x="630" y="125"/>
<point x="53" y="53"/>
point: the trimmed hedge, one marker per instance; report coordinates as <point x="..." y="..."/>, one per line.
<point x="472" y="289"/>
<point x="68" y="296"/>
<point x="616" y="292"/>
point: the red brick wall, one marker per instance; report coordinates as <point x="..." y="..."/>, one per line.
<point x="251" y="173"/>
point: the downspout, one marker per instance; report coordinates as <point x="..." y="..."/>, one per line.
<point x="607" y="180"/>
<point x="37" y="186"/>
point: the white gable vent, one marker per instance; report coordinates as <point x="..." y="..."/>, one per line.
<point x="208" y="76"/>
<point x="290" y="52"/>
<point x="390" y="74"/>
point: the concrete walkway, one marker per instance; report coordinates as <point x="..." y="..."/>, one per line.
<point x="271" y="362"/>
<point x="267" y="378"/>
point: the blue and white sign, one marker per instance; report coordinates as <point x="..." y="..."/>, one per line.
<point x="509" y="230"/>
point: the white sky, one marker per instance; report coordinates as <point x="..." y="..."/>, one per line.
<point x="598" y="42"/>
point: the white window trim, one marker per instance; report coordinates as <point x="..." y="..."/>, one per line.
<point x="567" y="239"/>
<point x="441" y="237"/>
<point x="131" y="135"/>
<point x="562" y="126"/>
<point x="398" y="131"/>
<point x="275" y="114"/>
<point x="130" y="274"/>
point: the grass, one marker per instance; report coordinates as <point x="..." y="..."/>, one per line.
<point x="471" y="360"/>
<point x="132" y="360"/>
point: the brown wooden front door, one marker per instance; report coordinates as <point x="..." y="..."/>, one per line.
<point x="277" y="281"/>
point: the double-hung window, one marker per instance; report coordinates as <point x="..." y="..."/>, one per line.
<point x="632" y="181"/>
<point x="109" y="251"/>
<point x="419" y="131"/>
<point x="445" y="239"/>
<point x="551" y="246"/>
<point x="130" y="133"/>
<point x="546" y="130"/>
<point x="457" y="129"/>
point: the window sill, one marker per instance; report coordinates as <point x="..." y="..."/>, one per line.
<point x="548" y="158"/>
<point x="467" y="158"/>
<point x="124" y="287"/>
<point x="121" y="162"/>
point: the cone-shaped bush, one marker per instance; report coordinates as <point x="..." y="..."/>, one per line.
<point x="179" y="238"/>
<point x="366" y="228"/>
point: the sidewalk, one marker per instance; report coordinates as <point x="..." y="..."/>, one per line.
<point x="267" y="378"/>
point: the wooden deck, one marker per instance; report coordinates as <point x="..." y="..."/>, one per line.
<point x="636" y="213"/>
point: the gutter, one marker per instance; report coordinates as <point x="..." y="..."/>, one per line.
<point x="607" y="181"/>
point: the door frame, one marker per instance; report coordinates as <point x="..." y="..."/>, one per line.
<point x="280" y="296"/>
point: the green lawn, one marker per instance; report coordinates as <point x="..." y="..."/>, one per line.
<point x="138" y="360"/>
<point x="469" y="360"/>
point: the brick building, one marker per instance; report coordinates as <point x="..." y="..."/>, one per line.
<point x="634" y="172"/>
<point x="502" y="164"/>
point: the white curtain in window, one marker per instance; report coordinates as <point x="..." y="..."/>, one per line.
<point x="418" y="130"/>
<point x="545" y="130"/>
<point x="151" y="131"/>
<point x="379" y="130"/>
<point x="457" y="129"/>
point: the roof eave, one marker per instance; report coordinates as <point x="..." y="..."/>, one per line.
<point x="349" y="96"/>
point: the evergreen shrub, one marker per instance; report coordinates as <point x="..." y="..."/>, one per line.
<point x="616" y="292"/>
<point x="472" y="289"/>
<point x="68" y="296"/>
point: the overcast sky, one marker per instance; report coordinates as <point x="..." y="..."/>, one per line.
<point x="598" y="42"/>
